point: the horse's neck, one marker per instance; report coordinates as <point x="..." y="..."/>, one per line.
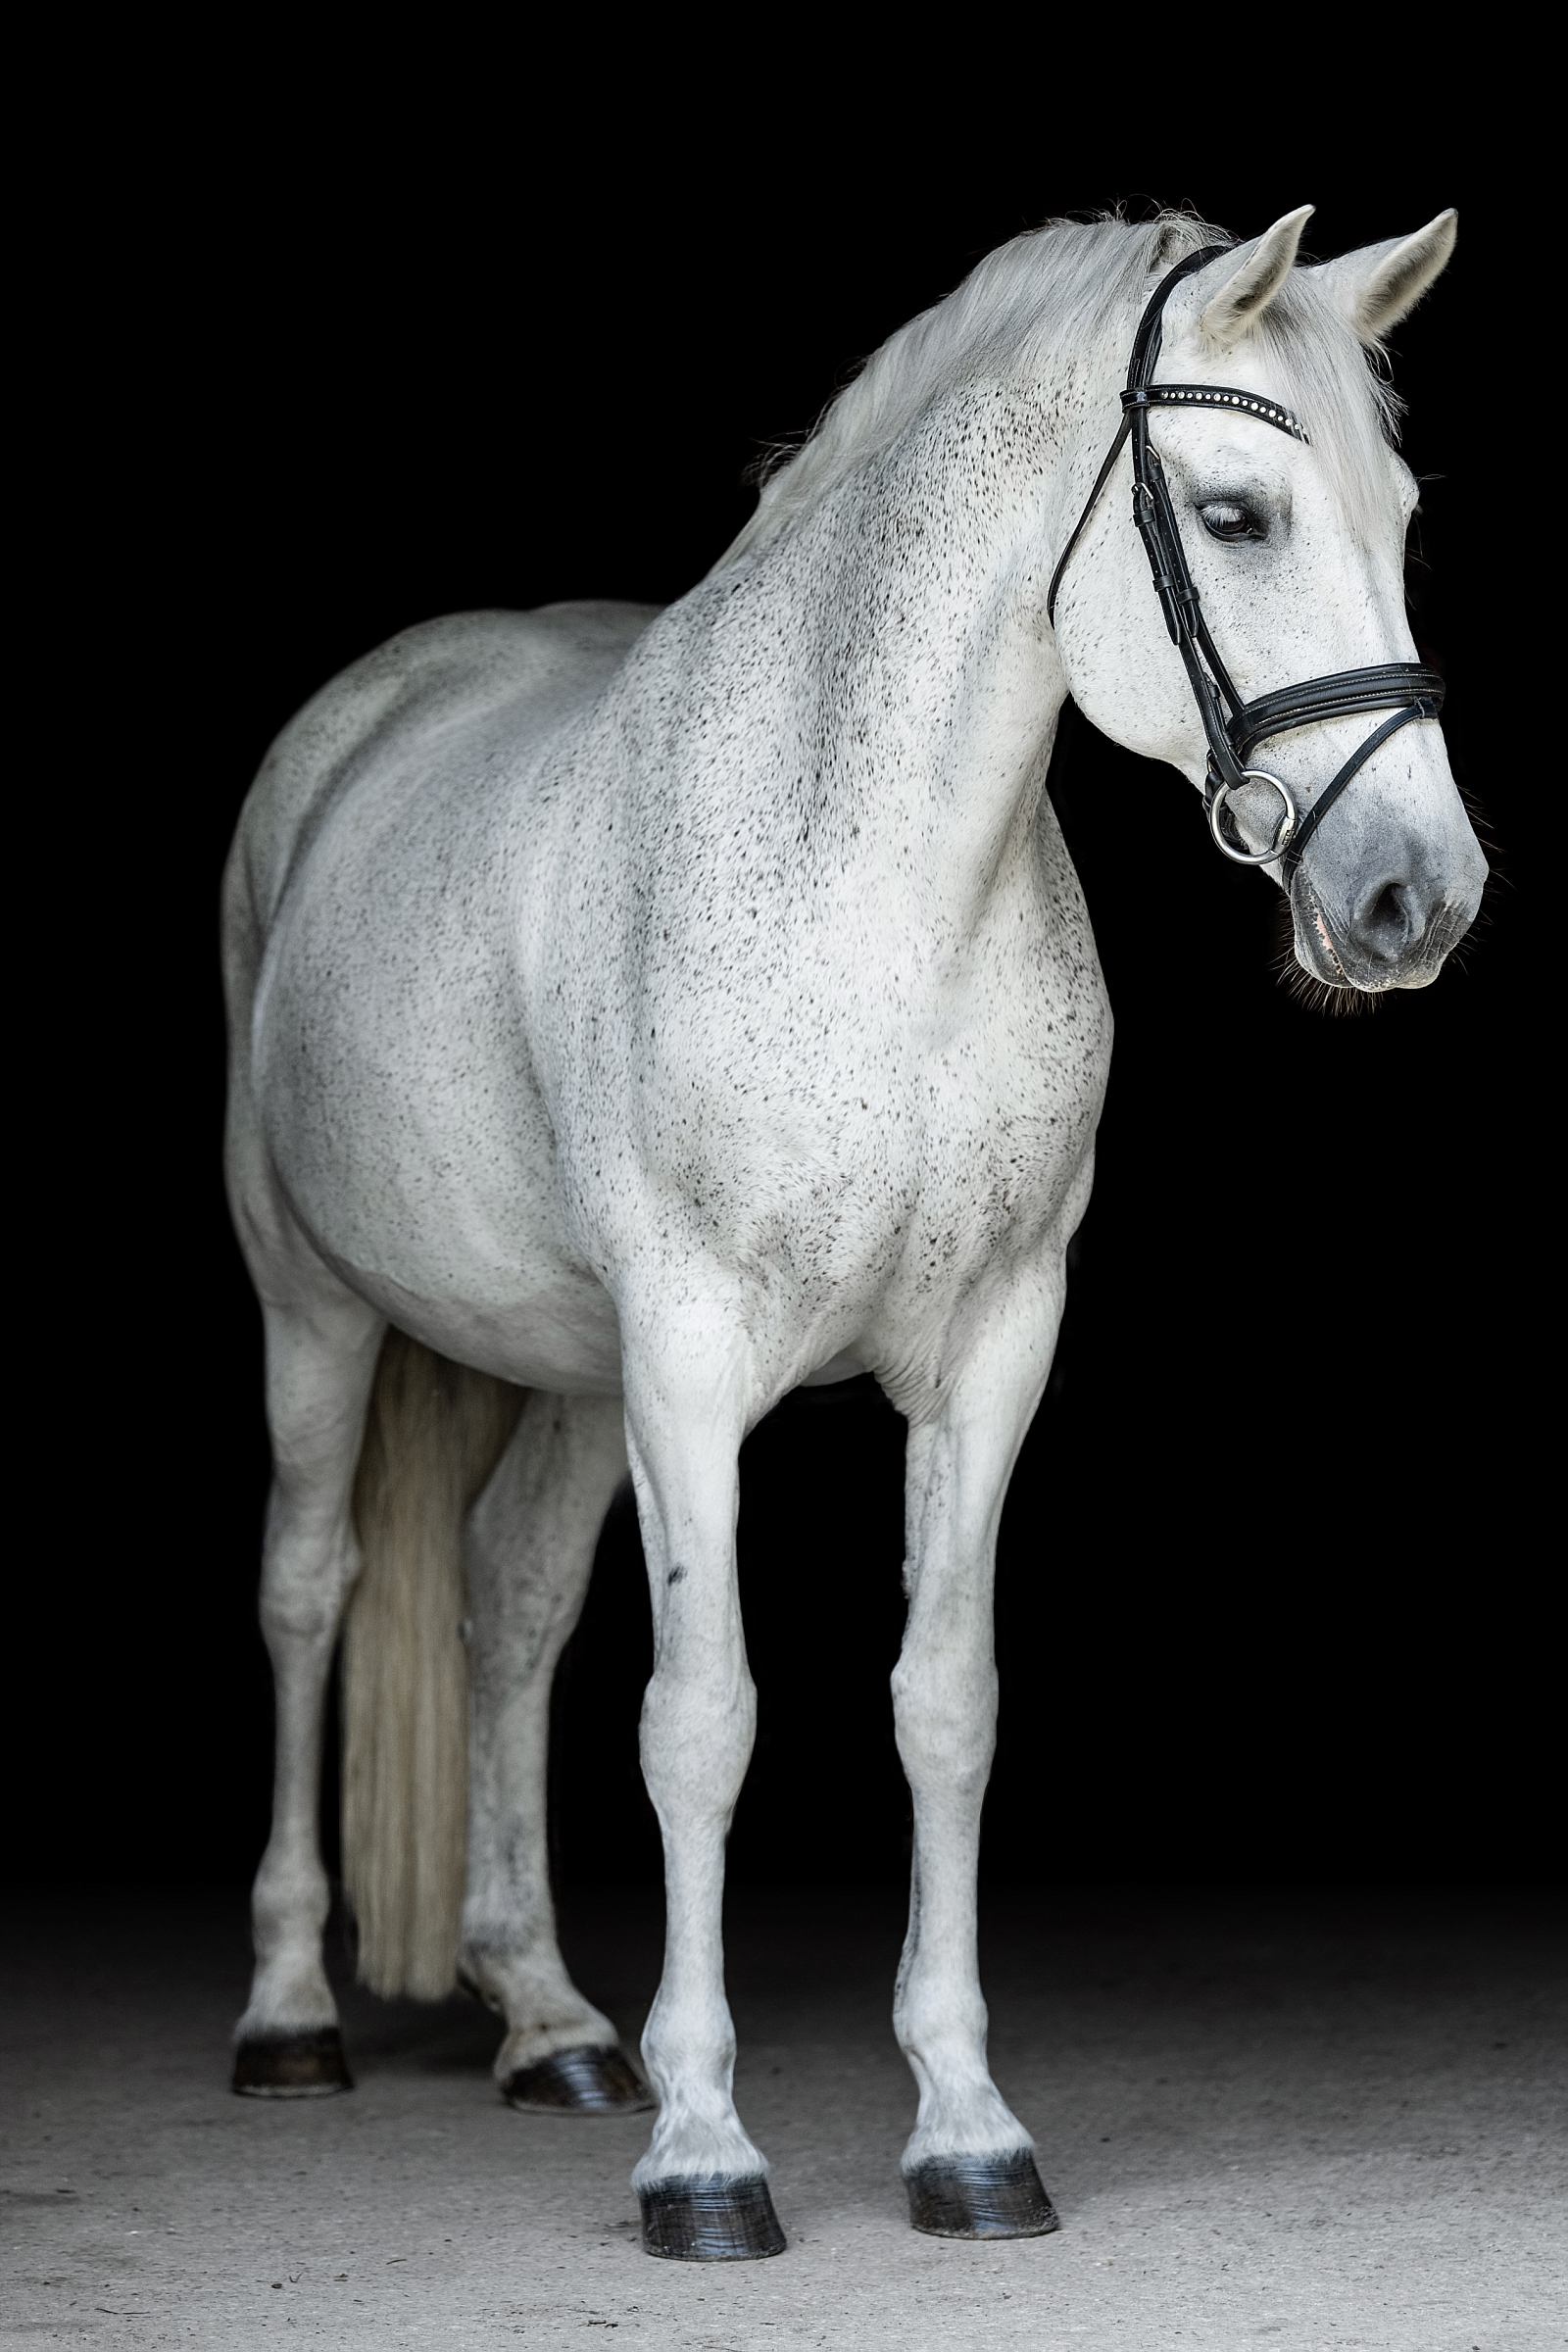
<point x="916" y="601"/>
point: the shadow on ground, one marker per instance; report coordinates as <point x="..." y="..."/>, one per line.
<point x="1265" y="2119"/>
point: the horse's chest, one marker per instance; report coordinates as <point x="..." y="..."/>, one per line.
<point x="1003" y="1118"/>
<point x="858" y="1142"/>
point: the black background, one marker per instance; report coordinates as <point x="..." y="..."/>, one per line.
<point x="1270" y="1594"/>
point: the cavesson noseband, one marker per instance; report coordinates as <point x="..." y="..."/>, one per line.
<point x="1235" y="728"/>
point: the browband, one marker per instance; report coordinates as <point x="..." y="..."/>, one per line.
<point x="1214" y="396"/>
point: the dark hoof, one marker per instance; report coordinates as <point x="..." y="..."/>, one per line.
<point x="580" y="2081"/>
<point x="711" y="2221"/>
<point x="292" y="2066"/>
<point x="980" y="2197"/>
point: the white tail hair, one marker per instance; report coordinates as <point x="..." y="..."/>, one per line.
<point x="433" y="1435"/>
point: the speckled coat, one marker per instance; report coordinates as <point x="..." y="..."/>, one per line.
<point x="675" y="1008"/>
<point x="612" y="956"/>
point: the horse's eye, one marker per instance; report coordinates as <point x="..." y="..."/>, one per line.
<point x="1227" y="519"/>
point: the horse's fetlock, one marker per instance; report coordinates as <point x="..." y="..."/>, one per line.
<point x="698" y="2137"/>
<point x="947" y="2035"/>
<point x="290" y="1898"/>
<point x="531" y="1988"/>
<point x="290" y="1993"/>
<point x="692" y="2051"/>
<point x="569" y="2025"/>
<point x="503" y="1948"/>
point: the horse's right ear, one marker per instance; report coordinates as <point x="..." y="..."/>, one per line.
<point x="1251" y="282"/>
<point x="1380" y="284"/>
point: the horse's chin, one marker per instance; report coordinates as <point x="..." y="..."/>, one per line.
<point x="1336" y="998"/>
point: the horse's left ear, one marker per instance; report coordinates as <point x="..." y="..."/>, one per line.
<point x="1378" y="285"/>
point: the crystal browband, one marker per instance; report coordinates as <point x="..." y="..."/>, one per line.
<point x="1213" y="396"/>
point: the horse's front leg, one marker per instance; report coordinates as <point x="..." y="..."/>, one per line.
<point x="969" y="2164"/>
<point x="703" y="2185"/>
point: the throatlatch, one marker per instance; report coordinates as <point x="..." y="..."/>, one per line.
<point x="1235" y="728"/>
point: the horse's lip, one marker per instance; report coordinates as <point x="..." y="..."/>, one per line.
<point x="1312" y="930"/>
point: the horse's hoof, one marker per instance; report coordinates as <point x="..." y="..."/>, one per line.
<point x="292" y="2066"/>
<point x="980" y="2197"/>
<point x="719" y="2220"/>
<point x="578" y="2081"/>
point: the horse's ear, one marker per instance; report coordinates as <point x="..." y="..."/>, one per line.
<point x="1250" y="288"/>
<point x="1376" y="286"/>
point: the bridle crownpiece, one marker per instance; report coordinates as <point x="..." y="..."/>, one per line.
<point x="1234" y="729"/>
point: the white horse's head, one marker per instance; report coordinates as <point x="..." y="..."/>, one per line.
<point x="1297" y="553"/>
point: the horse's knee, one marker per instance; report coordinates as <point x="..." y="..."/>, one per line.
<point x="696" y="1738"/>
<point x="944" y="1724"/>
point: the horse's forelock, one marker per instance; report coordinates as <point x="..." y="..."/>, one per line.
<point x="1313" y="360"/>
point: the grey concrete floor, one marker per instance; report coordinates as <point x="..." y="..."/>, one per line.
<point x="1283" y="2123"/>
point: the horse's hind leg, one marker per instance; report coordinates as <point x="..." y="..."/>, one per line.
<point x="321" y="1361"/>
<point x="530" y="1549"/>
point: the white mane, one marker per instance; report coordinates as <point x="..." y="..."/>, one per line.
<point x="1043" y="298"/>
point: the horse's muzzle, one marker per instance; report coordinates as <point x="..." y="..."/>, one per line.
<point x="1396" y="931"/>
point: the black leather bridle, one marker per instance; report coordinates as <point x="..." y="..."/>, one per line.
<point x="1235" y="728"/>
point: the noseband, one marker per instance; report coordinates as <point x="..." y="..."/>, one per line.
<point x="1235" y="728"/>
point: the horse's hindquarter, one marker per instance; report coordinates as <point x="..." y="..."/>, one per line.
<point x="392" y="1082"/>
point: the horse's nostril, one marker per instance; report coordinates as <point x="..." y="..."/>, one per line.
<point x="1388" y="914"/>
<point x="1388" y="921"/>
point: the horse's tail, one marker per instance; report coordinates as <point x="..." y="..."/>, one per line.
<point x="433" y="1435"/>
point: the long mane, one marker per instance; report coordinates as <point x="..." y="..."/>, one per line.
<point x="1031" y="307"/>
